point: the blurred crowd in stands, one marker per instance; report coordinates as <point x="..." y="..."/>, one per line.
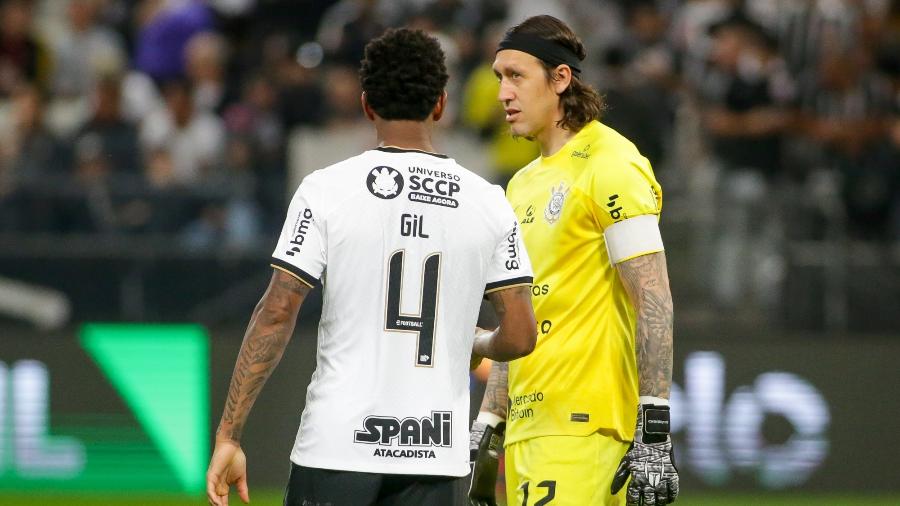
<point x="172" y="117"/>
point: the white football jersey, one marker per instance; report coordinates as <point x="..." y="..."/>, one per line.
<point x="405" y="244"/>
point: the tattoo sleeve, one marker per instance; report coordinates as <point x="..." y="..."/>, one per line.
<point x="496" y="394"/>
<point x="646" y="280"/>
<point x="268" y="333"/>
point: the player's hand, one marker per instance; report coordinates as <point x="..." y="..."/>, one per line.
<point x="484" y="454"/>
<point x="228" y="466"/>
<point x="649" y="461"/>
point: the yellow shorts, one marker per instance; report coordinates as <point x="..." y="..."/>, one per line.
<point x="563" y="471"/>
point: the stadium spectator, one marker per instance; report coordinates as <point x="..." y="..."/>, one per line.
<point x="29" y="151"/>
<point x="482" y="113"/>
<point x="342" y="96"/>
<point x="845" y="110"/>
<point x="639" y="88"/>
<point x="300" y="92"/>
<point x="256" y="117"/>
<point x="746" y="93"/>
<point x="346" y="28"/>
<point x="23" y="58"/>
<point x="165" y="29"/>
<point x="193" y="138"/>
<point x="82" y="49"/>
<point x="206" y="54"/>
<point x="232" y="219"/>
<point x="33" y="161"/>
<point x="256" y="128"/>
<point x="117" y="137"/>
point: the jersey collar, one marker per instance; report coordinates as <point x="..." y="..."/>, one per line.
<point x="572" y="143"/>
<point x="395" y="149"/>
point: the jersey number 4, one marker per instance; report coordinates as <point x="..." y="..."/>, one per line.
<point x="421" y="324"/>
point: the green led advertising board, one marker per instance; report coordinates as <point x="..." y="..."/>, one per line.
<point x="129" y="404"/>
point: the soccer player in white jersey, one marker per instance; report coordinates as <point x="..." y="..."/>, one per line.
<point x="405" y="243"/>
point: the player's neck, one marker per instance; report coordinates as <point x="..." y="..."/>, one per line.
<point x="553" y="138"/>
<point x="405" y="134"/>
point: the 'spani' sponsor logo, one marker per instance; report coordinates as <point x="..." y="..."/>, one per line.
<point x="388" y="430"/>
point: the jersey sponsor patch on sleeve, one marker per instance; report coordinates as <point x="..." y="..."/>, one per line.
<point x="300" y="250"/>
<point x="510" y="265"/>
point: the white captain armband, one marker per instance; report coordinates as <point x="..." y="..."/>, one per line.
<point x="633" y="237"/>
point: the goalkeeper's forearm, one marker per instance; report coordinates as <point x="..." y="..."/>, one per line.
<point x="646" y="280"/>
<point x="496" y="394"/>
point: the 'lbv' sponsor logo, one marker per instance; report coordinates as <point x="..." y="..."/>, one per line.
<point x="614" y="212"/>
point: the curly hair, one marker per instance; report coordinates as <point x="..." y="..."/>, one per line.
<point x="403" y="74"/>
<point x="580" y="102"/>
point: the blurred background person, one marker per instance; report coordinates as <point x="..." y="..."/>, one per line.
<point x="483" y="114"/>
<point x="23" y="57"/>
<point x="746" y="96"/>
<point x="193" y="137"/>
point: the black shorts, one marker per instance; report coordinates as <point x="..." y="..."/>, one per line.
<point x="309" y="486"/>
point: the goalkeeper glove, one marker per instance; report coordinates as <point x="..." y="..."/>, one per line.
<point x="650" y="459"/>
<point x="485" y="442"/>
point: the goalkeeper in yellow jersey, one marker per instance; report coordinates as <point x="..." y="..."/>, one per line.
<point x="588" y="409"/>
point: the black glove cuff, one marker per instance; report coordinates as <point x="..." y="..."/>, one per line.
<point x="500" y="429"/>
<point x="656" y="423"/>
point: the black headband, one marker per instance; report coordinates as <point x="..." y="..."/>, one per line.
<point x="542" y="49"/>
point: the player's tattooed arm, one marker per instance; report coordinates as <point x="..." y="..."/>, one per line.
<point x="646" y="280"/>
<point x="517" y="333"/>
<point x="268" y="333"/>
<point x="496" y="394"/>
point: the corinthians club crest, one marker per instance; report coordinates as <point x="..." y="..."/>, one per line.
<point x="384" y="182"/>
<point x="557" y="199"/>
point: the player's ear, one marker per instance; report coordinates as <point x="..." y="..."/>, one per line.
<point x="562" y="77"/>
<point x="367" y="109"/>
<point x="438" y="111"/>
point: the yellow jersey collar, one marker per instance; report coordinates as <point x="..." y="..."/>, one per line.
<point x="589" y="131"/>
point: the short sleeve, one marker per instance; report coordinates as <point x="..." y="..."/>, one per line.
<point x="301" y="248"/>
<point x="624" y="191"/>
<point x="509" y="264"/>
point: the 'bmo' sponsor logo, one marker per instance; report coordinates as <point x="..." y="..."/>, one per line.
<point x="433" y="187"/>
<point x="384" y="182"/>
<point x="388" y="431"/>
<point x="512" y="248"/>
<point x="300" y="230"/>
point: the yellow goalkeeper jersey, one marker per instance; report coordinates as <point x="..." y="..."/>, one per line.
<point x="582" y="375"/>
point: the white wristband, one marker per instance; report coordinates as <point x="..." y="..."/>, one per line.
<point x="489" y="419"/>
<point x="656" y="401"/>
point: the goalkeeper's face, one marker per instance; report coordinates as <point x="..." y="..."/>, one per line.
<point x="527" y="95"/>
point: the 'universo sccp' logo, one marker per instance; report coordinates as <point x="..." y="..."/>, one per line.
<point x="384" y="182"/>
